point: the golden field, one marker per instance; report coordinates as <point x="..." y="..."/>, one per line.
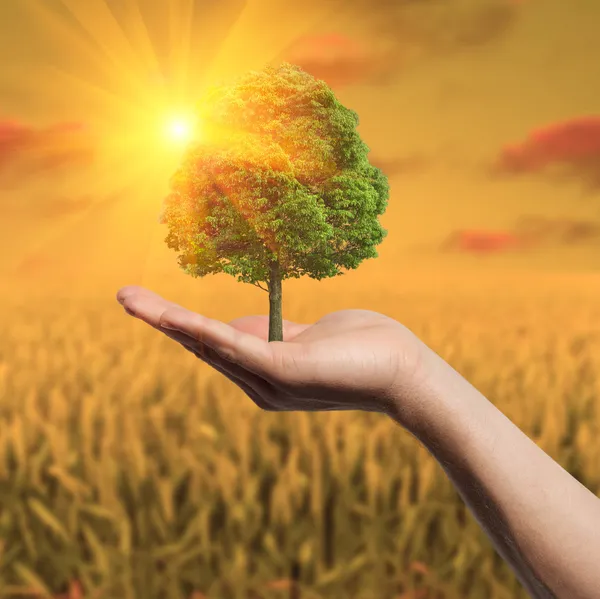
<point x="129" y="466"/>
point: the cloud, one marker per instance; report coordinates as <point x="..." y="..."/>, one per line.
<point x="337" y="59"/>
<point x="480" y="241"/>
<point x="437" y="25"/>
<point x="540" y="230"/>
<point x="396" y="33"/>
<point x="571" y="147"/>
<point x="528" y="232"/>
<point x="26" y="151"/>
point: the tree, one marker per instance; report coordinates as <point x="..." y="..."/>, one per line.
<point x="278" y="186"/>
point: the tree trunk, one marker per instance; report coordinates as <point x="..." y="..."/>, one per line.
<point x="275" y="312"/>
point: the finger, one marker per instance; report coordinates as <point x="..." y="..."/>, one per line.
<point x="131" y="290"/>
<point x="253" y="354"/>
<point x="186" y="328"/>
<point x="144" y="304"/>
<point x="232" y="371"/>
<point x="258" y="390"/>
<point x="217" y="363"/>
<point x="246" y="350"/>
<point x="149" y="307"/>
<point x="258" y="398"/>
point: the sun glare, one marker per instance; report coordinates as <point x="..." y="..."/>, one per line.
<point x="181" y="129"/>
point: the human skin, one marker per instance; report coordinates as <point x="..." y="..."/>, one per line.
<point x="540" y="519"/>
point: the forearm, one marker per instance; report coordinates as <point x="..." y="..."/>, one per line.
<point x="542" y="521"/>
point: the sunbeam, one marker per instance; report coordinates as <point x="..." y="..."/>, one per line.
<point x="133" y="72"/>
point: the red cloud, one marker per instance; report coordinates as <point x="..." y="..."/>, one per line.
<point x="478" y="241"/>
<point x="25" y="150"/>
<point x="573" y="143"/>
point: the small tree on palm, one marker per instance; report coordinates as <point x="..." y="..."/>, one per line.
<point x="279" y="186"/>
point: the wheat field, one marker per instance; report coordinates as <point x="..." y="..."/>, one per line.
<point x="128" y="466"/>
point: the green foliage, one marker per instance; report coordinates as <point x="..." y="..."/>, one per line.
<point x="280" y="173"/>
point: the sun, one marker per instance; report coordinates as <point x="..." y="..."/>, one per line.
<point x="180" y="129"/>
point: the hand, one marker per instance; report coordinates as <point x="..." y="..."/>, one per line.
<point x="347" y="360"/>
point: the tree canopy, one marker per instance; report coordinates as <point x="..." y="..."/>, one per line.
<point x="279" y="174"/>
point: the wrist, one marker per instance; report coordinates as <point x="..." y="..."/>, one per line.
<point x="437" y="403"/>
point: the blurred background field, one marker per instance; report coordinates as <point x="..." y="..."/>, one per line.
<point x="128" y="465"/>
<point x="128" y="469"/>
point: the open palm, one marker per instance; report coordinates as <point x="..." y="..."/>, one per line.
<point x="347" y="360"/>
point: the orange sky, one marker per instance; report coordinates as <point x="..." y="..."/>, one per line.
<point x="121" y="67"/>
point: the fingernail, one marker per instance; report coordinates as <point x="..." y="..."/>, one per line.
<point x="170" y="327"/>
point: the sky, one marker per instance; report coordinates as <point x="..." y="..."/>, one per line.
<point x="88" y="87"/>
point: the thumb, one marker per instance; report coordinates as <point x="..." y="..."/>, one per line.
<point x="253" y="353"/>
